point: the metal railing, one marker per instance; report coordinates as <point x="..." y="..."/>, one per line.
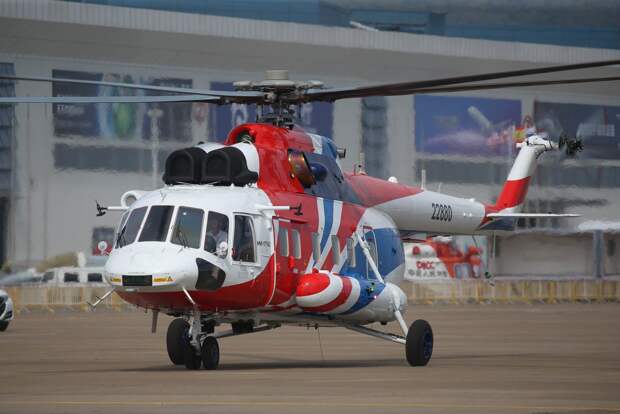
<point x="540" y="290"/>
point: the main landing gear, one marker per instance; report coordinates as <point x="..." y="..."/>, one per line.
<point x="418" y="340"/>
<point x="195" y="345"/>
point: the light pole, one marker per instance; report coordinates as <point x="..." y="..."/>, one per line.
<point x="154" y="114"/>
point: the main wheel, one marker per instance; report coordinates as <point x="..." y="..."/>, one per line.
<point x="191" y="358"/>
<point x="174" y="340"/>
<point x="210" y="353"/>
<point x="3" y="325"/>
<point x="419" y="346"/>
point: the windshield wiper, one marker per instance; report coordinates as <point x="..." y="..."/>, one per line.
<point x="182" y="238"/>
<point x="120" y="239"/>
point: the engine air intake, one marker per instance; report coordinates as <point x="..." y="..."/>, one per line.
<point x="184" y="166"/>
<point x="227" y="166"/>
<point x="223" y="166"/>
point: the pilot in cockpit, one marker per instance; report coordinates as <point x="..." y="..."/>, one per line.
<point x="217" y="231"/>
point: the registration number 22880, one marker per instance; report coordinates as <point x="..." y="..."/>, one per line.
<point x="442" y="212"/>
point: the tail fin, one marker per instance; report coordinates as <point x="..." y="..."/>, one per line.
<point x="513" y="194"/>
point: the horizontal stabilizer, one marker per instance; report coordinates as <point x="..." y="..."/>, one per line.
<point x="529" y="215"/>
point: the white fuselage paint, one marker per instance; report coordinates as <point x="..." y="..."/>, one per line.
<point x="421" y="213"/>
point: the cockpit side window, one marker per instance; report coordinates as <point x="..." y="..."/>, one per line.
<point x="129" y="231"/>
<point x="217" y="231"/>
<point x="188" y="227"/>
<point x="244" y="241"/>
<point x="157" y="224"/>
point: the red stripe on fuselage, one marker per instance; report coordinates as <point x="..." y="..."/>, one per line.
<point x="339" y="300"/>
<point x="312" y="284"/>
<point x="373" y="191"/>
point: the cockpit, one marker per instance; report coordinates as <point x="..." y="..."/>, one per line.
<point x="189" y="227"/>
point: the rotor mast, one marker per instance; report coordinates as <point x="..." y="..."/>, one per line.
<point x="281" y="96"/>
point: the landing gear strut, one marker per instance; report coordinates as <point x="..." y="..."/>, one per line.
<point x="418" y="338"/>
<point x="418" y="342"/>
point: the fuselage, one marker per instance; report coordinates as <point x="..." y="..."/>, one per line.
<point x="268" y="224"/>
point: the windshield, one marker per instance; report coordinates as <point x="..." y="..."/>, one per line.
<point x="188" y="227"/>
<point x="128" y="233"/>
<point x="157" y="224"/>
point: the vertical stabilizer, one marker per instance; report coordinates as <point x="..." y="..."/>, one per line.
<point x="513" y="194"/>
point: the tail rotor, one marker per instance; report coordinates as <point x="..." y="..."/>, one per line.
<point x="573" y="146"/>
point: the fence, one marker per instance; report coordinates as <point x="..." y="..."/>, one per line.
<point x="52" y="298"/>
<point x="514" y="291"/>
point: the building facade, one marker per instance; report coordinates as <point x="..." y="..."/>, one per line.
<point x="58" y="159"/>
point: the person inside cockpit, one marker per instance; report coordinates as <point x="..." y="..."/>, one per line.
<point x="217" y="231"/>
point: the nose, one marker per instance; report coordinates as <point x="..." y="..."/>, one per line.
<point x="143" y="269"/>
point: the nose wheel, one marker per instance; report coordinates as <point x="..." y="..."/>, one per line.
<point x="177" y="330"/>
<point x="182" y="349"/>
<point x="210" y="353"/>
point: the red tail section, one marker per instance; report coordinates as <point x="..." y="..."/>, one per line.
<point x="513" y="194"/>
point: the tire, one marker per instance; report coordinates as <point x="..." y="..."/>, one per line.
<point x="419" y="346"/>
<point x="3" y="325"/>
<point x="174" y="340"/>
<point x="210" y="353"/>
<point x="191" y="358"/>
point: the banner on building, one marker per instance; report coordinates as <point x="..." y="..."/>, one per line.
<point x="316" y="118"/>
<point x="446" y="257"/>
<point x="465" y="126"/>
<point x="598" y="126"/>
<point x="119" y="121"/>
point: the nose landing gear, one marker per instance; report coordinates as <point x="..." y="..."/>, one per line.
<point x="182" y="350"/>
<point x="196" y="345"/>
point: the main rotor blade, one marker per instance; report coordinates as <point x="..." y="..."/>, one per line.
<point x="405" y="88"/>
<point x="461" y="88"/>
<point x="108" y="99"/>
<point x="249" y="95"/>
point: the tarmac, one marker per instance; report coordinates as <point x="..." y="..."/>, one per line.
<point x="487" y="359"/>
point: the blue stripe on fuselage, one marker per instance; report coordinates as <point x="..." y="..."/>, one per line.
<point x="328" y="213"/>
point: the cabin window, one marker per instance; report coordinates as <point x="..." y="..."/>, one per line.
<point x="296" y="242"/>
<point x="71" y="278"/>
<point x="217" y="231"/>
<point x="335" y="249"/>
<point x="283" y="241"/>
<point x="373" y="254"/>
<point x="95" y="277"/>
<point x="188" y="227"/>
<point x="351" y="252"/>
<point x="157" y="224"/>
<point x="48" y="276"/>
<point x="128" y="233"/>
<point x="316" y="247"/>
<point x="244" y="242"/>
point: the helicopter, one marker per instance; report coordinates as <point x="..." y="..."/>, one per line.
<point x="267" y="230"/>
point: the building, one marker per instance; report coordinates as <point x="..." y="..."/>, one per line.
<point x="56" y="161"/>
